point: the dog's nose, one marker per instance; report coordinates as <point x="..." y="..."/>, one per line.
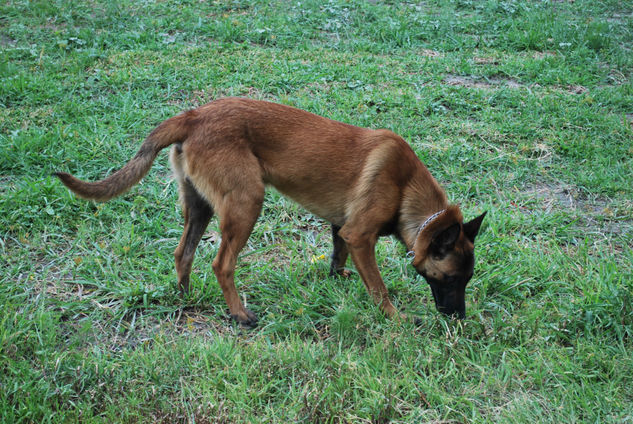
<point x="454" y="313"/>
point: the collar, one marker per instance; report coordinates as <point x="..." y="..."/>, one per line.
<point x="411" y="254"/>
<point x="429" y="220"/>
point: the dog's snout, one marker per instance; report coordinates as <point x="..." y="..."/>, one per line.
<point x="450" y="302"/>
<point x="458" y="313"/>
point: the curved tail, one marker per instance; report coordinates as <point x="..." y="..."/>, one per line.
<point x="173" y="130"/>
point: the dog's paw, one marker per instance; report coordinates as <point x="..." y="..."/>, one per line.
<point x="183" y="288"/>
<point x="246" y="319"/>
<point x="343" y="273"/>
<point x="403" y="318"/>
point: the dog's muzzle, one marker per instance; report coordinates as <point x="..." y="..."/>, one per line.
<point x="449" y="298"/>
<point x="448" y="301"/>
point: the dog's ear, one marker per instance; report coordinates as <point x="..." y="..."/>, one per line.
<point x="445" y="240"/>
<point x="471" y="229"/>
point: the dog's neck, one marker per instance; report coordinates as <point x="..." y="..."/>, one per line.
<point x="422" y="198"/>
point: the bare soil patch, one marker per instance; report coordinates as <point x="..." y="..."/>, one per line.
<point x="6" y="41"/>
<point x="577" y="89"/>
<point x="430" y="53"/>
<point x="486" y="61"/>
<point x="597" y="214"/>
<point x="482" y="82"/>
<point x="543" y="55"/>
<point x="557" y="196"/>
<point x="620" y="18"/>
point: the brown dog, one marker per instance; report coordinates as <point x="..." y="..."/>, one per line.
<point x="366" y="183"/>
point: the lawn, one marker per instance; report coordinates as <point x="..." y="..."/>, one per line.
<point x="523" y="109"/>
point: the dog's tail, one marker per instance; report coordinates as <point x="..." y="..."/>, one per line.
<point x="173" y="130"/>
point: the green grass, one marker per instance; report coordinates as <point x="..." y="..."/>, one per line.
<point x="520" y="108"/>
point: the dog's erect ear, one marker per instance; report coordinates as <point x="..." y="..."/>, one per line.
<point x="445" y="240"/>
<point x="471" y="229"/>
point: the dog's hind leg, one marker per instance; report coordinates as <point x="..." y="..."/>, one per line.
<point x="339" y="254"/>
<point x="231" y="179"/>
<point x="238" y="212"/>
<point x="197" y="212"/>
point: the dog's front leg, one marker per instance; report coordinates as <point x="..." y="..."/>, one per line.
<point x="339" y="254"/>
<point x="197" y="212"/>
<point x="361" y="247"/>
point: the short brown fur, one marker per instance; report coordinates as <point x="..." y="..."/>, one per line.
<point x="366" y="183"/>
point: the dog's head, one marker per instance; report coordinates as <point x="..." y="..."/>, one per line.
<point x="444" y="256"/>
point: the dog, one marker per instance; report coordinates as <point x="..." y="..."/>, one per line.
<point x="366" y="183"/>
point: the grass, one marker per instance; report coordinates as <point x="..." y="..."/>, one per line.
<point x="520" y="108"/>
